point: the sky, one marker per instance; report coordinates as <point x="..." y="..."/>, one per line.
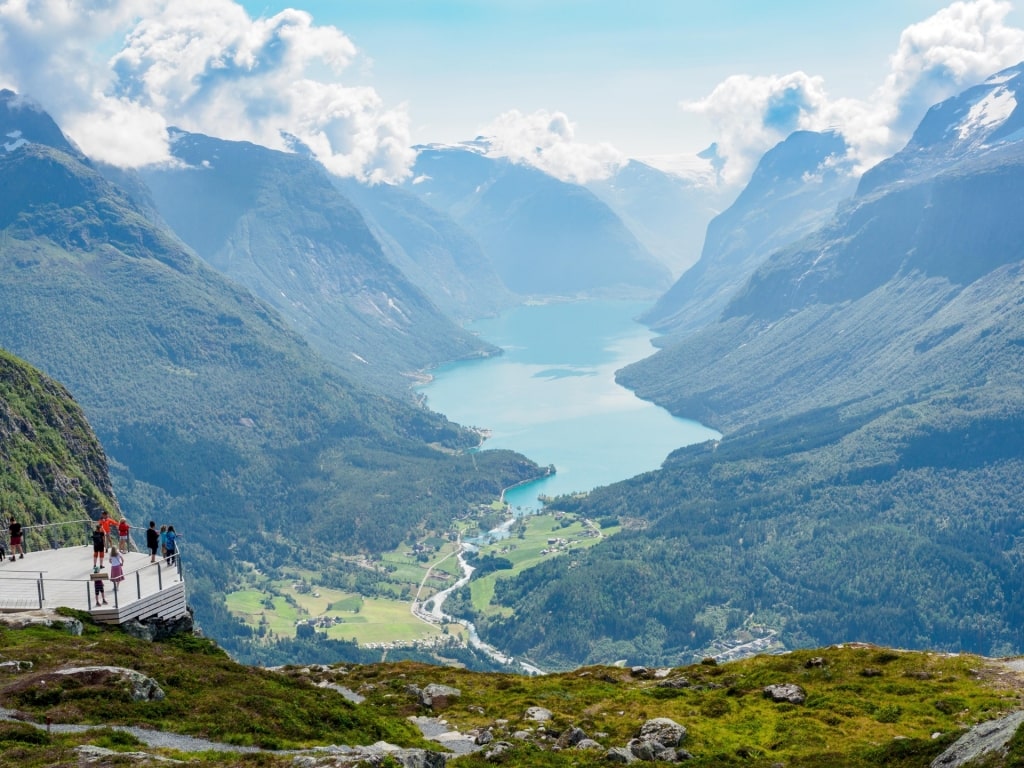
<point x="574" y="87"/>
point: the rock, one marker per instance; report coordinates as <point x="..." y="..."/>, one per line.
<point x="814" y="662"/>
<point x="674" y="682"/>
<point x="496" y="752"/>
<point x="664" y="731"/>
<point x="641" y="672"/>
<point x="982" y="739"/>
<point x="435" y="696"/>
<point x="538" y="714"/>
<point x="644" y="749"/>
<point x="522" y="735"/>
<point x="153" y="630"/>
<point x="15" y="666"/>
<point x="620" y="755"/>
<point x="141" y="688"/>
<point x="785" y="692"/>
<point x="43" y="618"/>
<point x="89" y="754"/>
<point x="482" y="738"/>
<point x="570" y="737"/>
<point x="661" y="674"/>
<point x="587" y="744"/>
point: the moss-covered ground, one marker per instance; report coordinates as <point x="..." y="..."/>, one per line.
<point x="865" y="706"/>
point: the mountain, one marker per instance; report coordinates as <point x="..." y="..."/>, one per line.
<point x="667" y="213"/>
<point x="545" y="237"/>
<point x="867" y="380"/>
<point x="216" y="415"/>
<point x="794" y="190"/>
<point x="431" y="249"/>
<point x="52" y="467"/>
<point x="274" y="222"/>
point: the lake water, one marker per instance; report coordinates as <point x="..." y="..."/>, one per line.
<point x="552" y="396"/>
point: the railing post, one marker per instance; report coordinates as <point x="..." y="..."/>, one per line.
<point x="159" y="577"/>
<point x="42" y="590"/>
<point x="39" y="588"/>
<point x="138" y="584"/>
<point x="116" y="606"/>
<point x="88" y="594"/>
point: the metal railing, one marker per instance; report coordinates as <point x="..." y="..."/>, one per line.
<point x="28" y="590"/>
<point x="57" y="536"/>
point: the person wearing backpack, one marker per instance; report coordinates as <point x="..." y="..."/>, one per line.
<point x="171" y="543"/>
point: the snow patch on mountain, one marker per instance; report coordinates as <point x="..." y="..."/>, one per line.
<point x="988" y="113"/>
<point x="19" y="141"/>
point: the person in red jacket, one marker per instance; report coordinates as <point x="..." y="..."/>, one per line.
<point x="122" y="534"/>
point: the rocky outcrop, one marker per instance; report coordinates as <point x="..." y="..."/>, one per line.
<point x="139" y="687"/>
<point x="982" y="739"/>
<point x="160" y="629"/>
<point x="43" y="618"/>
<point x="373" y="755"/>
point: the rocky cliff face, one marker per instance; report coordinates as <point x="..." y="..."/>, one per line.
<point x="52" y="467"/>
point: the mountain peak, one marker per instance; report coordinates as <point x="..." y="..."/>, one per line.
<point x="975" y="121"/>
<point x="24" y="121"/>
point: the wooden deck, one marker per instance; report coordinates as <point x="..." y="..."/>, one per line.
<point x="62" y="577"/>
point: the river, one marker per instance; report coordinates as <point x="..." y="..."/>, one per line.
<point x="552" y="396"/>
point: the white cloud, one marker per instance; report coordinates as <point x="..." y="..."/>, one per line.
<point x="956" y="47"/>
<point x="547" y="140"/>
<point x="203" y="65"/>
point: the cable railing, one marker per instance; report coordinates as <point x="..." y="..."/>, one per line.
<point x="51" y="580"/>
<point x="36" y="589"/>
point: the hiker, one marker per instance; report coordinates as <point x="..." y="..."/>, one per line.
<point x="152" y="541"/>
<point x="106" y="521"/>
<point x="171" y="542"/>
<point x="122" y="534"/>
<point x="163" y="541"/>
<point x="116" y="566"/>
<point x="15" y="531"/>
<point x="97" y="584"/>
<point x="98" y="548"/>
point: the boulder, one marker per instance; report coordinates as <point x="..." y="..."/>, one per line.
<point x="620" y="755"/>
<point x="140" y="687"/>
<point x="538" y="714"/>
<point x="664" y="731"/>
<point x="436" y="696"/>
<point x="588" y="744"/>
<point x="570" y="737"/>
<point x="785" y="692"/>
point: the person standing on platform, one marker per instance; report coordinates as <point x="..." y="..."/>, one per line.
<point x="163" y="541"/>
<point x="101" y="597"/>
<point x="106" y="522"/>
<point x="171" y="542"/>
<point x="152" y="541"/>
<point x="122" y="534"/>
<point x="16" y="547"/>
<point x="116" y="566"/>
<point x="98" y="548"/>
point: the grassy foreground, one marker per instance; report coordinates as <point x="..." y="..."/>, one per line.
<point x="865" y="706"/>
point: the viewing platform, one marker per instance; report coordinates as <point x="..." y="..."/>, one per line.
<point x="62" y="577"/>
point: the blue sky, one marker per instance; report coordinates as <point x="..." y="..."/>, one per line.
<point x="572" y="86"/>
<point x="619" y="70"/>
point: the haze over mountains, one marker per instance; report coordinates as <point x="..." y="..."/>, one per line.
<point x="241" y="328"/>
<point x="868" y="381"/>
